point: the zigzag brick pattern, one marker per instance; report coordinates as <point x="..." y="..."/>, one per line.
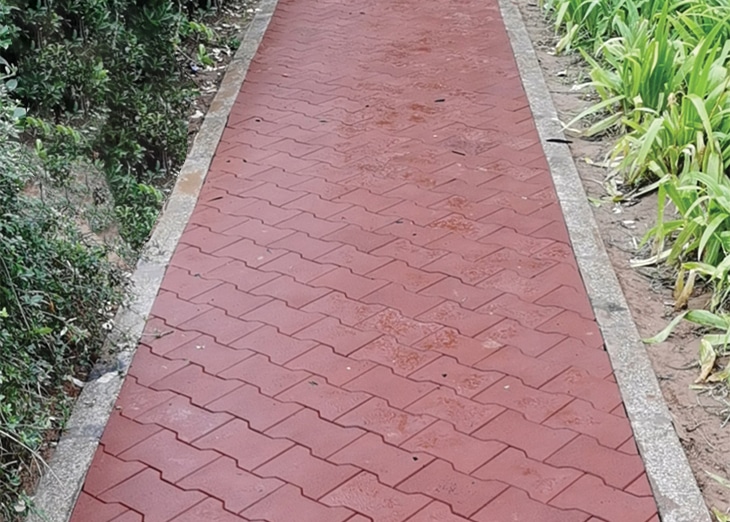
<point x="374" y="313"/>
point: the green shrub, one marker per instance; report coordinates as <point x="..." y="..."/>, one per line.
<point x="110" y="80"/>
<point x="57" y="290"/>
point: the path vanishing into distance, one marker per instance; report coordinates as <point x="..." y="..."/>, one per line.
<point x="374" y="313"/>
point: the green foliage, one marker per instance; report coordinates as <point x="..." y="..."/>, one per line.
<point x="56" y="292"/>
<point x="105" y="83"/>
<point x="660" y="68"/>
<point x="109" y="80"/>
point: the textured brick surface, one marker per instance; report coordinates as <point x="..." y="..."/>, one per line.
<point x="374" y="313"/>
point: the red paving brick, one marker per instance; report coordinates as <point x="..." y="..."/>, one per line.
<point x="360" y="324"/>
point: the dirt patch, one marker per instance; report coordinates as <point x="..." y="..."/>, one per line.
<point x="699" y="415"/>
<point x="229" y="26"/>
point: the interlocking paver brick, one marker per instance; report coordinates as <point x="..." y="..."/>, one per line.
<point x="464" y="380"/>
<point x="463" y="493"/>
<point x="270" y="378"/>
<point x="122" y="433"/>
<point x="148" y="367"/>
<point x="378" y="416"/>
<point x="134" y="400"/>
<point x="470" y="272"/>
<point x="571" y="324"/>
<point x="592" y="495"/>
<point x="315" y="227"/>
<point x="465" y="453"/>
<point x="222" y="327"/>
<point x="321" y="208"/>
<point x="286" y="319"/>
<point x="469" y="249"/>
<point x="465" y="295"/>
<point x="388" y="351"/>
<point x="466" y="322"/>
<point x="107" y="471"/>
<point x="584" y="453"/>
<point x="512" y="428"/>
<point x="602" y="394"/>
<point x="147" y="493"/>
<point x="287" y="289"/>
<point x="278" y="347"/>
<point x="528" y="314"/>
<point x="296" y="266"/>
<point x="374" y="313"/>
<point x="349" y="311"/>
<point x="89" y="507"/>
<point x="342" y="338"/>
<point x="239" y="274"/>
<point x="404" y="329"/>
<point x="384" y="383"/>
<point x="413" y="255"/>
<point x="371" y="202"/>
<point x="315" y="476"/>
<point x="534" y="404"/>
<point x="214" y="219"/>
<point x="228" y="297"/>
<point x="307" y="428"/>
<point x="237" y="440"/>
<point x="464" y="349"/>
<point x="365" y="494"/>
<point x="223" y="480"/>
<point x="359" y="262"/>
<point x="324" y="362"/>
<point x="414" y="279"/>
<point x="390" y="464"/>
<point x="210" y="510"/>
<point x="396" y="296"/>
<point x="176" y="311"/>
<point x="640" y="487"/>
<point x="582" y="417"/>
<point x="359" y="238"/>
<point x="514" y="504"/>
<point x="466" y="415"/>
<point x="533" y="372"/>
<point x="529" y="341"/>
<point x="352" y="285"/>
<point x="330" y="401"/>
<point x="287" y="503"/>
<point x="185" y="284"/>
<point x="306" y="246"/>
<point x="542" y="481"/>
<point x="416" y="234"/>
<point x="168" y="455"/>
<point x="248" y="403"/>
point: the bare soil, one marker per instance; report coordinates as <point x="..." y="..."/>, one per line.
<point x="699" y="415"/>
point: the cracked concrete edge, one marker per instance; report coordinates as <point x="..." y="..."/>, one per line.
<point x="675" y="489"/>
<point x="62" y="481"/>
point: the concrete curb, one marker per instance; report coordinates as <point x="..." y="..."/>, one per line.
<point x="60" y="486"/>
<point x="675" y="489"/>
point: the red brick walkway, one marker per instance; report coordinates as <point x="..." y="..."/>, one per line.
<point x="374" y="313"/>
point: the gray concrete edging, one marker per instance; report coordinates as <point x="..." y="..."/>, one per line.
<point x="61" y="483"/>
<point x="675" y="489"/>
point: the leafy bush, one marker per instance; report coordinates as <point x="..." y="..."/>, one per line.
<point x="106" y="84"/>
<point x="56" y="291"/>
<point x="110" y="80"/>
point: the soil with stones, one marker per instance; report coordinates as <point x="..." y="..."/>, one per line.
<point x="699" y="414"/>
